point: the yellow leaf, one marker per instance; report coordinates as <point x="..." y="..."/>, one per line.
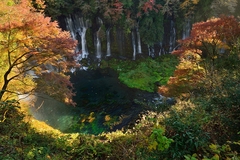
<point x="213" y="146"/>
<point x="153" y="146"/>
<point x="195" y="1"/>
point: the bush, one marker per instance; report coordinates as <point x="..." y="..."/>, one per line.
<point x="185" y="125"/>
<point x="146" y="140"/>
<point x="18" y="140"/>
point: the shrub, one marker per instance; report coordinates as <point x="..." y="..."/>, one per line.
<point x="18" y="140"/>
<point x="146" y="140"/>
<point x="184" y="124"/>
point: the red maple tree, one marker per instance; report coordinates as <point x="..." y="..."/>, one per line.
<point x="206" y="42"/>
<point x="149" y="5"/>
<point x="33" y="46"/>
<point x="211" y="36"/>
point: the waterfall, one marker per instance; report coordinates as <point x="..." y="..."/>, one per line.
<point x="98" y="47"/>
<point x="139" y="48"/>
<point x="82" y="33"/>
<point x="70" y="27"/>
<point x="151" y="51"/>
<point x="81" y="30"/>
<point x="134" y="45"/>
<point x="186" y="28"/>
<point x="78" y="27"/>
<point x="161" y="50"/>
<point x="172" y="39"/>
<point x="108" y="42"/>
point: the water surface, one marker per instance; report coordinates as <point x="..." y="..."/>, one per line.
<point x="103" y="104"/>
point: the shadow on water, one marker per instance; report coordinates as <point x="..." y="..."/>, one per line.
<point x="103" y="104"/>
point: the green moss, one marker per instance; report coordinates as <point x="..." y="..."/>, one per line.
<point x="143" y="74"/>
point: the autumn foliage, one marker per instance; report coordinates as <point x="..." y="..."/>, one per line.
<point x="112" y="10"/>
<point x="187" y="76"/>
<point x="208" y="41"/>
<point x="150" y="5"/>
<point x="211" y="36"/>
<point x="31" y="46"/>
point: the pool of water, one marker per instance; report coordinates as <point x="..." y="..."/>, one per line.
<point x="103" y="104"/>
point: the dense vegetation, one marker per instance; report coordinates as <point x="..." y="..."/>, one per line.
<point x="203" y="124"/>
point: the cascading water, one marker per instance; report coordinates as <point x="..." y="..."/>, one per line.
<point x="139" y="48"/>
<point x="108" y="42"/>
<point x="172" y="39"/>
<point x="84" y="42"/>
<point x="161" y="50"/>
<point x="151" y="51"/>
<point x="136" y="42"/>
<point x="134" y="45"/>
<point x="121" y="46"/>
<point x="78" y="27"/>
<point x="70" y="26"/>
<point x="186" y="28"/>
<point x="98" y="47"/>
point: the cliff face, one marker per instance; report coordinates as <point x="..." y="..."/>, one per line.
<point x="95" y="40"/>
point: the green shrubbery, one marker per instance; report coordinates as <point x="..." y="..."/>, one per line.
<point x="185" y="125"/>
